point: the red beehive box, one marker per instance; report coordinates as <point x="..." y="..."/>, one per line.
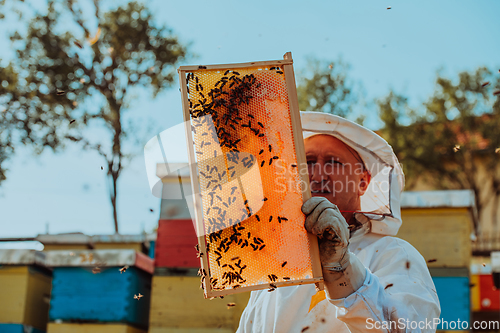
<point x="175" y="244"/>
<point x="489" y="295"/>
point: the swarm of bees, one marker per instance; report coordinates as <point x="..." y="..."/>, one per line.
<point x="223" y="103"/>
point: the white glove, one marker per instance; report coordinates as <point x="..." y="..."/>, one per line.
<point x="341" y="269"/>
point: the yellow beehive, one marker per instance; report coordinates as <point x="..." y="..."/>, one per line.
<point x="439" y="225"/>
<point x="91" y="328"/>
<point x="177" y="305"/>
<point x="25" y="289"/>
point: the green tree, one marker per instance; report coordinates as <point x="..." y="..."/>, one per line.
<point x="325" y="86"/>
<point x="453" y="138"/>
<point x="73" y="70"/>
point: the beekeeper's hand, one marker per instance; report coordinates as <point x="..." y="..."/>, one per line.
<point x="324" y="220"/>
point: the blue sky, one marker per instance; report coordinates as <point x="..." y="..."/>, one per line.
<point x="401" y="48"/>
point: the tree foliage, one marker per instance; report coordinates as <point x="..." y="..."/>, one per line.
<point x="452" y="138"/>
<point x="70" y="73"/>
<point x="325" y="86"/>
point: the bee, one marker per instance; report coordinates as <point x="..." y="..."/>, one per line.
<point x="72" y="121"/>
<point x="123" y="269"/>
<point x="260" y="124"/>
<point x="96" y="270"/>
<point x="270" y="218"/>
<point x="60" y="92"/>
<point x="286" y="278"/>
<point x="485" y="84"/>
<point x="279" y="72"/>
<point x="262" y="164"/>
<point x="230" y="305"/>
<point x="236" y="73"/>
<point x="496" y="92"/>
<point x="262" y="134"/>
<point x="227" y="72"/>
<point x="202" y="67"/>
<point x="283" y="264"/>
<point x="251" y="116"/>
<point x="407" y="265"/>
<point x="263" y="246"/>
<point x="389" y="285"/>
<point x="273" y="68"/>
<point x="304" y="329"/>
<point x="138" y="297"/>
<point x="270" y="161"/>
<point x="77" y="43"/>
<point x="257" y="217"/>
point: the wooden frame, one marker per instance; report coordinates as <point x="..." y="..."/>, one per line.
<point x="287" y="65"/>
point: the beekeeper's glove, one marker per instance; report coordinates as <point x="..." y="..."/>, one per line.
<point x="342" y="271"/>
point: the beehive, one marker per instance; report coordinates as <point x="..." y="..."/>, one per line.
<point x="453" y="289"/>
<point x="249" y="176"/>
<point x="177" y="305"/>
<point x="19" y="328"/>
<point x="439" y="225"/>
<point x="175" y="244"/>
<point x="88" y="286"/>
<point x="25" y="289"/>
<point x="92" y="328"/>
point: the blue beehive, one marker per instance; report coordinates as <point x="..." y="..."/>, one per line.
<point x="82" y="293"/>
<point x="18" y="328"/>
<point x="152" y="249"/>
<point x="454" y="297"/>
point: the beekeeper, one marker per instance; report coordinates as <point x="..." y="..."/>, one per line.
<point x="374" y="282"/>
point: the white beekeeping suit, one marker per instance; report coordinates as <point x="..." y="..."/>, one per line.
<point x="397" y="295"/>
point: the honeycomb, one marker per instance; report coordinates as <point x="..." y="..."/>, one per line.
<point x="247" y="170"/>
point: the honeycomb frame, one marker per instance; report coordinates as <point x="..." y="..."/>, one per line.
<point x="228" y="102"/>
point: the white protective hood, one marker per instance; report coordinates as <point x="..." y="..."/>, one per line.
<point x="387" y="178"/>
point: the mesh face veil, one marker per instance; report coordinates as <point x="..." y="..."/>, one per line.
<point x="382" y="198"/>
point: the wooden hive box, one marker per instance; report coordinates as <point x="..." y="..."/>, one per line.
<point x="92" y="328"/>
<point x="106" y="295"/>
<point x="175" y="244"/>
<point x="439" y="225"/>
<point x="453" y="289"/>
<point x="177" y="305"/>
<point x="25" y="289"/>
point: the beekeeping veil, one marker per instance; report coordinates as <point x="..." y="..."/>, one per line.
<point x="387" y="179"/>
